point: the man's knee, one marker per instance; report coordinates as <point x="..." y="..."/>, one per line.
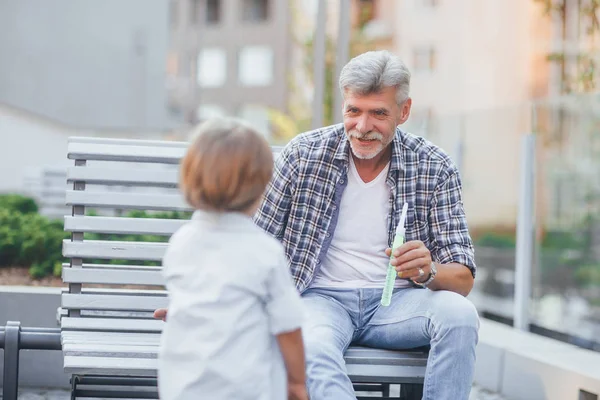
<point x="321" y="343"/>
<point x="453" y="310"/>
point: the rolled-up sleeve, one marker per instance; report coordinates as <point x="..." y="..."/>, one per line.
<point x="283" y="302"/>
<point x="448" y="223"/>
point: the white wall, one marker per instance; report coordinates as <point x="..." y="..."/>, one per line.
<point x="486" y="71"/>
<point x="28" y="142"/>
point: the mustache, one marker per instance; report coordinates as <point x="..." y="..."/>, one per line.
<point x="365" y="136"/>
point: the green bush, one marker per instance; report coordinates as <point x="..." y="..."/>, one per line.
<point x="30" y="240"/>
<point x="588" y="275"/>
<point x="18" y="203"/>
<point x="496" y="240"/>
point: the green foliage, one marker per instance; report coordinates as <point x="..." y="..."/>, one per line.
<point x="18" y="203"/>
<point x="588" y="275"/>
<point x="29" y="239"/>
<point x="578" y="74"/>
<point x="496" y="240"/>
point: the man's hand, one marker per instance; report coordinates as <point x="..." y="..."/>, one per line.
<point x="160" y="313"/>
<point x="408" y="258"/>
<point x="297" y="391"/>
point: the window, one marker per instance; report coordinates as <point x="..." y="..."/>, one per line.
<point x="212" y="67"/>
<point x="194" y="13"/>
<point x="255" y="10"/>
<point x="206" y="111"/>
<point x="424" y="59"/>
<point x="256" y="66"/>
<point x="213" y="11"/>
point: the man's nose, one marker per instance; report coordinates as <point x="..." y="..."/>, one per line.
<point x="363" y="125"/>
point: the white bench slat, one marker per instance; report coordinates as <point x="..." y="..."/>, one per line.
<point x="124" y="176"/>
<point x="112" y="302"/>
<point x="125" y="338"/>
<point x="122" y="225"/>
<point x="110" y="366"/>
<point x="107" y="249"/>
<point x="121" y="267"/>
<point x="112" y="325"/>
<point x="372" y="373"/>
<point x="141" y="152"/>
<point x="113" y="277"/>
<point x="110" y="350"/>
<point x="128" y="201"/>
<point x="147" y="366"/>
<point x="363" y="355"/>
<point x="120" y="292"/>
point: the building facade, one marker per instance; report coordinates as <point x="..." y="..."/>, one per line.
<point x="229" y="57"/>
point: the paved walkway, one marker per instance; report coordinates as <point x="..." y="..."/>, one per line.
<point x="476" y="394"/>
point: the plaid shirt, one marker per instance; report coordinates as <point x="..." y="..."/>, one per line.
<point x="302" y="201"/>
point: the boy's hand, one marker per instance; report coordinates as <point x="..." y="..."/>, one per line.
<point x="160" y="313"/>
<point x="297" y="391"/>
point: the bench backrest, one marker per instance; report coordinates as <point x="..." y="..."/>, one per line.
<point x="121" y="253"/>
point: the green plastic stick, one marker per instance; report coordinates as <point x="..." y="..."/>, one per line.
<point x="386" y="296"/>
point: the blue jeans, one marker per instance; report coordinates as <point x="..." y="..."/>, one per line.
<point x="446" y="321"/>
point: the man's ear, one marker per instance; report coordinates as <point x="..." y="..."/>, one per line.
<point x="405" y="110"/>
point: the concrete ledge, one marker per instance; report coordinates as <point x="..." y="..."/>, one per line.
<point x="526" y="366"/>
<point x="34" y="307"/>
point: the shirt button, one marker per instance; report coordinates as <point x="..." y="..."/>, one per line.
<point x="341" y="181"/>
<point x="334" y="207"/>
<point x="328" y="234"/>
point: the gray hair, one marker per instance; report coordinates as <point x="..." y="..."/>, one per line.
<point x="373" y="71"/>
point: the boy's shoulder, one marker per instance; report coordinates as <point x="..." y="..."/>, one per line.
<point x="263" y="242"/>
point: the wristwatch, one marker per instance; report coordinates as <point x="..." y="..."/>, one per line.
<point x="430" y="278"/>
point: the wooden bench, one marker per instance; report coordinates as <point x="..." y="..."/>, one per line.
<point x="109" y="337"/>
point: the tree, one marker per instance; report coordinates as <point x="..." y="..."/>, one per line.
<point x="300" y="113"/>
<point x="578" y="66"/>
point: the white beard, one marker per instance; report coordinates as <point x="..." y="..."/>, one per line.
<point x="361" y="154"/>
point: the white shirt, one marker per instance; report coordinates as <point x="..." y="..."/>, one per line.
<point x="230" y="293"/>
<point x="356" y="257"/>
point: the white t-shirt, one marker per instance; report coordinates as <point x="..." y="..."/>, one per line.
<point x="356" y="257"/>
<point x="230" y="293"/>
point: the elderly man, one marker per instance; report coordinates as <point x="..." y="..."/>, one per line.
<point x="334" y="202"/>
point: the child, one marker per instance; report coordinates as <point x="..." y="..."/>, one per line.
<point x="233" y="328"/>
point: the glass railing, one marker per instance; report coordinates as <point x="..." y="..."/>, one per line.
<point x="566" y="274"/>
<point x="565" y="254"/>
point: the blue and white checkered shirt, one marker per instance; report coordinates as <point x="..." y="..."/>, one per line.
<point x="302" y="200"/>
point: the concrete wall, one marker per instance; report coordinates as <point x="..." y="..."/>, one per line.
<point x="86" y="63"/>
<point x="524" y="366"/>
<point x="30" y="142"/>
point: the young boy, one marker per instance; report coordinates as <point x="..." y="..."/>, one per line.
<point x="233" y="329"/>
